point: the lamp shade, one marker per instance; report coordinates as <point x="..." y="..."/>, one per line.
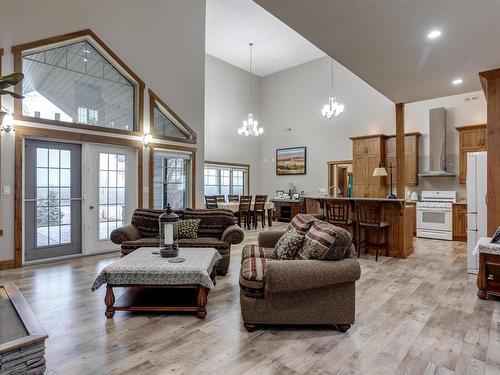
<point x="380" y="172"/>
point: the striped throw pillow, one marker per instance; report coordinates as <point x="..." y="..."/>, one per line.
<point x="325" y="241"/>
<point x="301" y="223"/>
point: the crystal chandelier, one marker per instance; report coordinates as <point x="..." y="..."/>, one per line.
<point x="333" y="109"/>
<point x="250" y="126"/>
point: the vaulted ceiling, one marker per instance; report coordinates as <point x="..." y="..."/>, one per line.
<point x="385" y="42"/>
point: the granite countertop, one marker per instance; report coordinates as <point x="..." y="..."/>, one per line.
<point x="362" y="199"/>
<point x="287" y="200"/>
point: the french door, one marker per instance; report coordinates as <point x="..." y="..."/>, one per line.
<point x="52" y="200"/>
<point x="110" y="193"/>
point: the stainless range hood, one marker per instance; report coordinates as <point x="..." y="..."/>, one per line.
<point x="437" y="141"/>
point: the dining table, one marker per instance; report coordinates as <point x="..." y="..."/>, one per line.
<point x="235" y="206"/>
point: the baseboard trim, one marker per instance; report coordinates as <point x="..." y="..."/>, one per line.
<point x="6" y="264"/>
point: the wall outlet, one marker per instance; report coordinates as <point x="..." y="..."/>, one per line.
<point x="6" y="190"/>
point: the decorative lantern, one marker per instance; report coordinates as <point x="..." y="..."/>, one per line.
<point x="169" y="243"/>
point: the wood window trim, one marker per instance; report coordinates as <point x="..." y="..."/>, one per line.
<point x="166" y="147"/>
<point x="27" y="131"/>
<point x="1" y="57"/>
<point x="229" y="164"/>
<point x="156" y="101"/>
<point x="18" y="50"/>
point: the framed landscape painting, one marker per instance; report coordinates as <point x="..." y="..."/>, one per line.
<point x="291" y="161"/>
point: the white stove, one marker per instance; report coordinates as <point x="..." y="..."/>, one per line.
<point x="434" y="214"/>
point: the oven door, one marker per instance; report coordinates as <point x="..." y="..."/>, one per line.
<point x="434" y="219"/>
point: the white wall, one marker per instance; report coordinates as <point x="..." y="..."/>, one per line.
<point x="162" y="41"/>
<point x="293" y="99"/>
<point x="227" y="103"/>
<point x="463" y="109"/>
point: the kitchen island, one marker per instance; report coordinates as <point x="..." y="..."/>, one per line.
<point x="396" y="212"/>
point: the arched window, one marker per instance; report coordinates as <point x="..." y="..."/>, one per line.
<point x="77" y="79"/>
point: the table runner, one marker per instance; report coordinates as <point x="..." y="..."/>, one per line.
<point x="235" y="206"/>
<point x="142" y="267"/>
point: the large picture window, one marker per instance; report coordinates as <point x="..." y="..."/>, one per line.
<point x="76" y="80"/>
<point x="225" y="179"/>
<point x="171" y="179"/>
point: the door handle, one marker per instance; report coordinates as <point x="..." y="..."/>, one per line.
<point x="91" y="207"/>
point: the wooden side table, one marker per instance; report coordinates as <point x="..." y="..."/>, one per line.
<point x="488" y="280"/>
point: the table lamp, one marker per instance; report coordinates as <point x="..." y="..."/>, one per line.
<point x="382" y="172"/>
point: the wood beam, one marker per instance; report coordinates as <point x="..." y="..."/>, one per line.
<point x="491" y="84"/>
<point x="400" y="150"/>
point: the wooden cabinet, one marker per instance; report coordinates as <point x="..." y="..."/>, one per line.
<point x="367" y="155"/>
<point x="471" y="139"/>
<point x="459" y="222"/>
<point x="411" y="158"/>
<point x="286" y="209"/>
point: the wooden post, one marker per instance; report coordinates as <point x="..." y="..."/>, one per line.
<point x="400" y="150"/>
<point x="490" y="80"/>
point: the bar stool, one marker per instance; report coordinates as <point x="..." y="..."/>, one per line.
<point x="369" y="218"/>
<point x="337" y="213"/>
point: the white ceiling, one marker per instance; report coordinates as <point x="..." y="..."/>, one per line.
<point x="232" y="24"/>
<point x="384" y="42"/>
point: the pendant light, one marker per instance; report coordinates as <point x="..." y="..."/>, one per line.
<point x="333" y="109"/>
<point x="250" y="126"/>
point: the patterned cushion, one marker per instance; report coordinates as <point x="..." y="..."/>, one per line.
<point x="288" y="245"/>
<point x="146" y="221"/>
<point x="187" y="228"/>
<point x="325" y="241"/>
<point x="252" y="277"/>
<point x="213" y="221"/>
<point x="301" y="223"/>
<point x="256" y="251"/>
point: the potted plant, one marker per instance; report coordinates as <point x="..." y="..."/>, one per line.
<point x="6" y="82"/>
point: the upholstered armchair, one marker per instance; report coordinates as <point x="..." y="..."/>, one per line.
<point x="296" y="291"/>
<point x="217" y="229"/>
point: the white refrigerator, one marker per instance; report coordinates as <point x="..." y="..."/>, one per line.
<point x="476" y="204"/>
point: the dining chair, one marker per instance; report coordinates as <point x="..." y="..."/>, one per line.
<point x="244" y="214"/>
<point x="369" y="218"/>
<point x="233" y="198"/>
<point x="220" y="198"/>
<point x="259" y="210"/>
<point x="210" y="201"/>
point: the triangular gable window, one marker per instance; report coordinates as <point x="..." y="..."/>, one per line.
<point x="166" y="123"/>
<point x="76" y="79"/>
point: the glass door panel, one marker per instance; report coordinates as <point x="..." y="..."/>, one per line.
<point x="53" y="199"/>
<point x="110" y="194"/>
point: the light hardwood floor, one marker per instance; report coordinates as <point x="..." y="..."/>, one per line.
<point x="414" y="316"/>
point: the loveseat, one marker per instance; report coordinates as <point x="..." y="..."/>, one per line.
<point x="296" y="291"/>
<point x="217" y="229"/>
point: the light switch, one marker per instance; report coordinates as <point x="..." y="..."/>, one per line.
<point x="6" y="190"/>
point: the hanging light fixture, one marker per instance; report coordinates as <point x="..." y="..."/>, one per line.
<point x="250" y="126"/>
<point x="333" y="109"/>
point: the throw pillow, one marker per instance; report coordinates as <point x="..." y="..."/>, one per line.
<point x="325" y="241"/>
<point x="301" y="223"/>
<point x="288" y="245"/>
<point x="187" y="228"/>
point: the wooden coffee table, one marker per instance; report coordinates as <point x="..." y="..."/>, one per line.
<point x="156" y="285"/>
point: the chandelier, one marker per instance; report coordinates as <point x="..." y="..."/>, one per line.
<point x="250" y="126"/>
<point x="333" y="109"/>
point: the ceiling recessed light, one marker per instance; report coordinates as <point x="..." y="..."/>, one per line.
<point x="457" y="81"/>
<point x="433" y="34"/>
<point x="84" y="59"/>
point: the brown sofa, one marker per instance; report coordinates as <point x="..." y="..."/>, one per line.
<point x="297" y="291"/>
<point x="217" y="229"/>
